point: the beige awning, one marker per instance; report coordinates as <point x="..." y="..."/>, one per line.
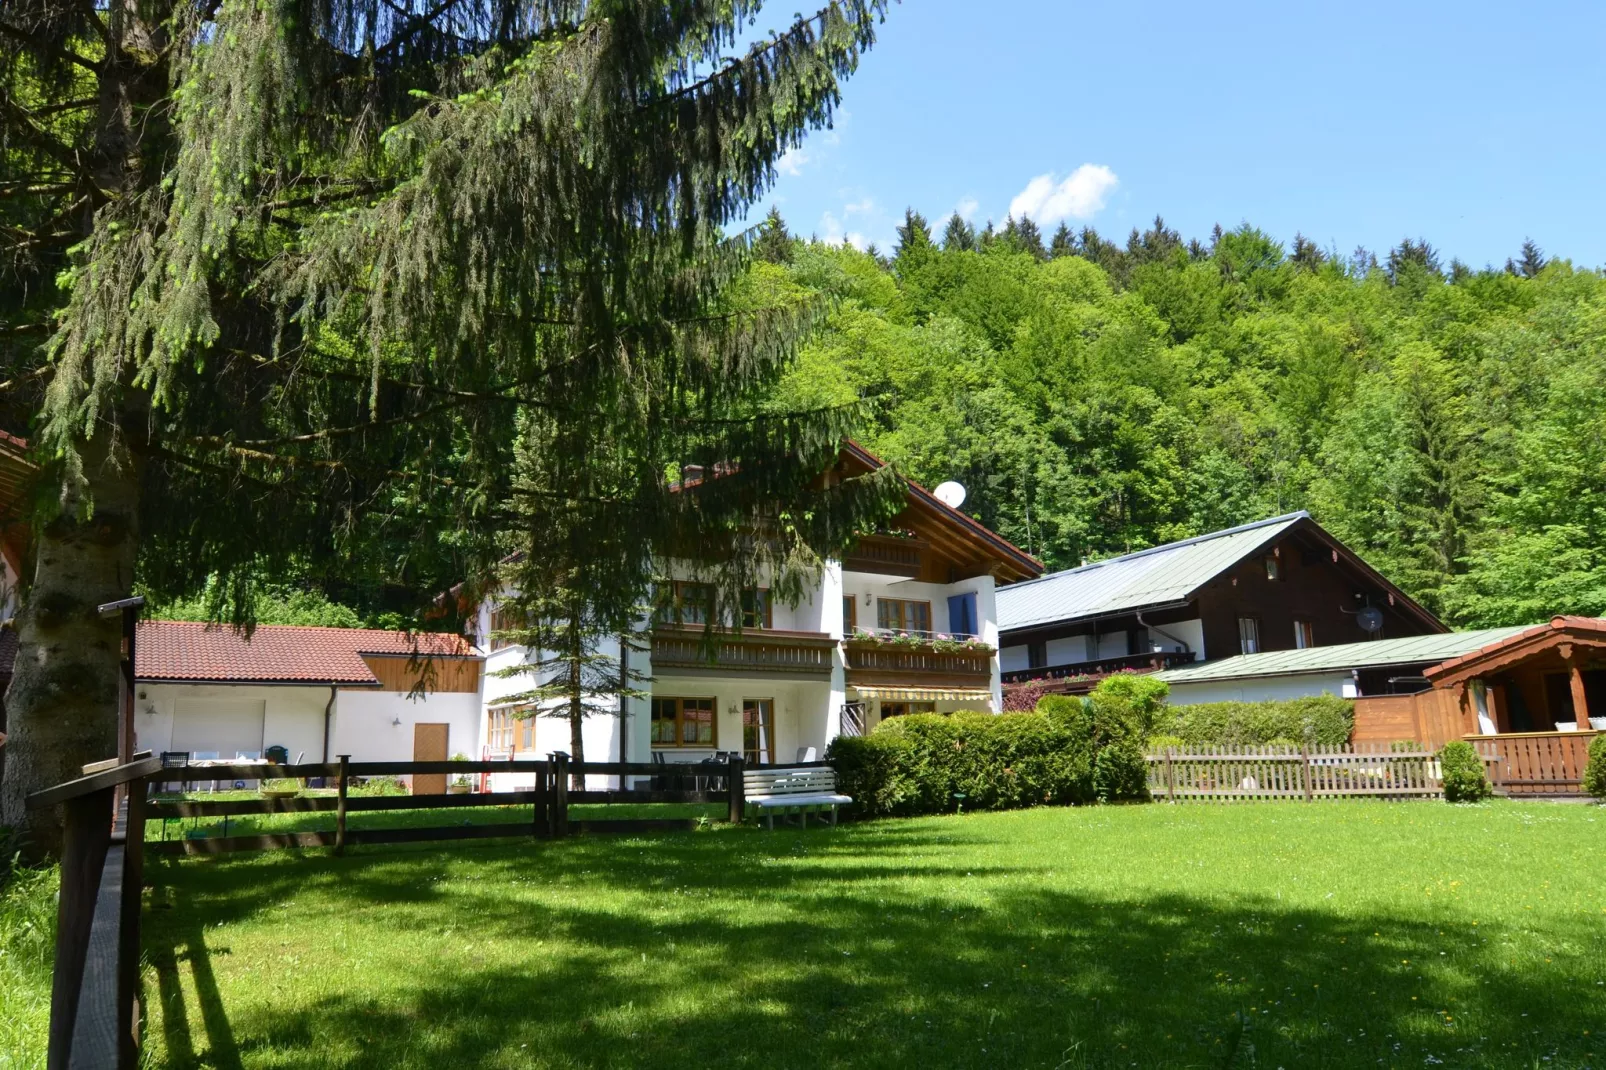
<point x="924" y="694"/>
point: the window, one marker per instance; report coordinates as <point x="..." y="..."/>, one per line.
<point x="902" y="615"/>
<point x="903" y="709"/>
<point x="756" y="608"/>
<point x="1248" y="635"/>
<point x="1274" y="569"/>
<point x="683" y="722"/>
<point x="1304" y="635"/>
<point x="503" y="619"/>
<point x="692" y="601"/>
<point x="1037" y="655"/>
<point x="527" y="730"/>
<point x="850" y="614"/>
<point x="758" y="731"/>
<point x="502" y="729"/>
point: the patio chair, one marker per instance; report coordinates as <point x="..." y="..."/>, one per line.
<point x="201" y="757"/>
<point x="171" y="759"/>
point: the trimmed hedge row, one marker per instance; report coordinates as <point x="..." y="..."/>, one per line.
<point x="1595" y="770"/>
<point x="1321" y="719"/>
<point x="1067" y="751"/>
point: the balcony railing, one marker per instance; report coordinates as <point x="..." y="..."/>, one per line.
<point x="872" y="661"/>
<point x="1092" y="671"/>
<point x="679" y="650"/>
<point x="885" y="555"/>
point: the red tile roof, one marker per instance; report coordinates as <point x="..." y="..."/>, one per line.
<point x="1536" y="636"/>
<point x="277" y="653"/>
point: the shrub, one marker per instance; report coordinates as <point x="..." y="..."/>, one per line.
<point x="1462" y="772"/>
<point x="1318" y="719"/>
<point x="1595" y="771"/>
<point x="1143" y="696"/>
<point x="1119" y="772"/>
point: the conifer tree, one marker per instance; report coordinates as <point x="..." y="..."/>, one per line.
<point x="306" y="272"/>
<point x="774" y="243"/>
<point x="914" y="241"/>
<point x="958" y="235"/>
<point x="1029" y="238"/>
<point x="1062" y="244"/>
<point x="1530" y="263"/>
<point x="1307" y="255"/>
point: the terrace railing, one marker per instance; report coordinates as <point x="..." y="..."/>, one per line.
<point x="1222" y="774"/>
<point x="913" y="661"/>
<point x="1090" y="671"/>
<point x="1535" y="763"/>
<point x="769" y="651"/>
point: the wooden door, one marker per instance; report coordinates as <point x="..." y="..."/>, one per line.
<point x="429" y="745"/>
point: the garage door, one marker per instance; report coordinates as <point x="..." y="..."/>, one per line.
<point x="222" y="726"/>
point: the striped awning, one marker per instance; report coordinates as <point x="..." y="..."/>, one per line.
<point x="924" y="694"/>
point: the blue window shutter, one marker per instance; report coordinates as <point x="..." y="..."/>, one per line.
<point x="962" y="614"/>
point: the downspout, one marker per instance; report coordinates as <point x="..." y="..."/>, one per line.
<point x="327" y="710"/>
<point x="1186" y="649"/>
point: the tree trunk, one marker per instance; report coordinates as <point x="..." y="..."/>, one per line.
<point x="62" y="704"/>
<point x="577" y="738"/>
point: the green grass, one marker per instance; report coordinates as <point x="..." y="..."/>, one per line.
<point x="1341" y="934"/>
<point x="27" y="947"/>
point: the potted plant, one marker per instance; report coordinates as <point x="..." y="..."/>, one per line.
<point x="280" y="788"/>
<point x="460" y="783"/>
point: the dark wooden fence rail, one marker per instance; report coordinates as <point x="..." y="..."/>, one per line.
<point x="94" y="1011"/>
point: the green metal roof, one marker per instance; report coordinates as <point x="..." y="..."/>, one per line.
<point x="1378" y="653"/>
<point x="1161" y="575"/>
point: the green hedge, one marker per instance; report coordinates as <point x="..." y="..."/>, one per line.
<point x="1321" y="719"/>
<point x="1066" y="751"/>
<point x="1595" y="771"/>
<point x="1462" y="770"/>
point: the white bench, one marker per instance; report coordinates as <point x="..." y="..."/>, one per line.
<point x="783" y="789"/>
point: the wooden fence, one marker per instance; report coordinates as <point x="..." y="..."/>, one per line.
<point x="1535" y="763"/>
<point x="94" y="1011"/>
<point x="1220" y="774"/>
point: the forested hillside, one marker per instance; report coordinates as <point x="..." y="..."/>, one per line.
<point x="1446" y="423"/>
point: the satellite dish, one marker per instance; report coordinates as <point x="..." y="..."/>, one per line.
<point x="1370" y="619"/>
<point x="950" y="494"/>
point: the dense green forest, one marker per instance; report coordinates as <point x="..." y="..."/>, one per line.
<point x="1446" y="423"/>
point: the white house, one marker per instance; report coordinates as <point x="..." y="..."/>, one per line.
<point x="906" y="622"/>
<point x="208" y="689"/>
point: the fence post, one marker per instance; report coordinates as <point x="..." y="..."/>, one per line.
<point x="1304" y="768"/>
<point x="1170" y="778"/>
<point x="738" y="791"/>
<point x="560" y="794"/>
<point x="128" y="1008"/>
<point x="541" y="821"/>
<point x="340" y="804"/>
<point x="86" y="834"/>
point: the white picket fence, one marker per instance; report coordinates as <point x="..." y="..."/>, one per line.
<point x="1222" y="774"/>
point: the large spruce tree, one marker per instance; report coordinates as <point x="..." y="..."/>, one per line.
<point x="290" y="280"/>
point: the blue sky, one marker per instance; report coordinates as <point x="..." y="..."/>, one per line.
<point x="1471" y="124"/>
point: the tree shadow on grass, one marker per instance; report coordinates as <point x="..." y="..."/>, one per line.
<point x="721" y="950"/>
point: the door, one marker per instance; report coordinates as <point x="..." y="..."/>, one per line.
<point x="429" y="745"/>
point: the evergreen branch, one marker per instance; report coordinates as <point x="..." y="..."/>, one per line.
<point x="46" y="47"/>
<point x="41" y="139"/>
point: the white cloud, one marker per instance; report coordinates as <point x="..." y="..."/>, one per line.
<point x="1080" y="196"/>
<point x="966" y="208"/>
<point x="864" y="206"/>
<point x="791" y="163"/>
<point x="833" y="233"/>
<point x="856" y="240"/>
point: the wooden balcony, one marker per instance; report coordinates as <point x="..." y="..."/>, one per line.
<point x="889" y="664"/>
<point x="1083" y="675"/>
<point x="680" y="651"/>
<point x="886" y="555"/>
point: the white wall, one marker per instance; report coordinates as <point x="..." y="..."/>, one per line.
<point x="365" y="728"/>
<point x="1068" y="650"/>
<point x="803" y="711"/>
<point x="361" y="722"/>
<point x="1190" y="632"/>
<point x="1262" y="689"/>
<point x="292" y="717"/>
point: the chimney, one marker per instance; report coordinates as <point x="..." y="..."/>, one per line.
<point x="690" y="474"/>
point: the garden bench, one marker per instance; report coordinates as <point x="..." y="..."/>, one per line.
<point x="787" y="790"/>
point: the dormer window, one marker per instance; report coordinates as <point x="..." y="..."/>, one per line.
<point x="1274" y="570"/>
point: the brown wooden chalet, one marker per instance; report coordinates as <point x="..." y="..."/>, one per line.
<point x="1279" y="584"/>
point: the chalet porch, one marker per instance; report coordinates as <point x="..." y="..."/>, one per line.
<point x="1529" y="703"/>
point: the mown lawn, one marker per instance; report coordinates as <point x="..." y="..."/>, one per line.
<point x="1336" y="934"/>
